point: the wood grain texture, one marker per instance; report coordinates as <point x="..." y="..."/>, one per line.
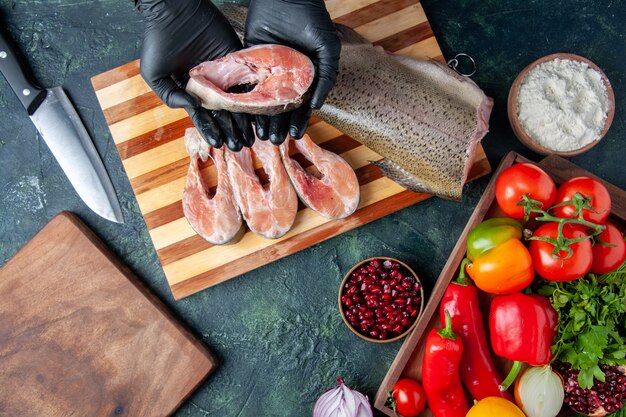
<point x="149" y="138"/>
<point x="80" y="335"/>
<point x="408" y="361"/>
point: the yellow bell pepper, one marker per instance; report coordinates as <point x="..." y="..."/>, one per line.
<point x="495" y="406"/>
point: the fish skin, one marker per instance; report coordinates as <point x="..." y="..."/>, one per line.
<point x="217" y="218"/>
<point x="270" y="210"/>
<point x="425" y="119"/>
<point x="336" y="193"/>
<point x="278" y="78"/>
<point x="422" y="117"/>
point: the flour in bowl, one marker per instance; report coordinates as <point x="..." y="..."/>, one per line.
<point x="563" y="104"/>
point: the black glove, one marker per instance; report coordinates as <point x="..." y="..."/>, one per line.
<point x="180" y="34"/>
<point x="305" y="26"/>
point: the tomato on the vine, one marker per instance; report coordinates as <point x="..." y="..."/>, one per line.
<point x="559" y="268"/>
<point x="520" y="179"/>
<point x="408" y="398"/>
<point x="608" y="258"/>
<point x="588" y="187"/>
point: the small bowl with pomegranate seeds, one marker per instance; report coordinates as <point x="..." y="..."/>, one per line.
<point x="380" y="299"/>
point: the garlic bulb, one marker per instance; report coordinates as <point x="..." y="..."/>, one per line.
<point x="539" y="392"/>
<point x="342" y="402"/>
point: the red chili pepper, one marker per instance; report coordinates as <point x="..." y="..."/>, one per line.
<point x="440" y="373"/>
<point x="522" y="329"/>
<point x="477" y="369"/>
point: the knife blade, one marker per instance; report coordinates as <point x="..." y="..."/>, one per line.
<point x="59" y="125"/>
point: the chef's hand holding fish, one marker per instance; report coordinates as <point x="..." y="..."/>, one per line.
<point x="304" y="25"/>
<point x="179" y="35"/>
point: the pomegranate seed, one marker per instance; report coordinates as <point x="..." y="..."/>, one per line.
<point x="380" y="299"/>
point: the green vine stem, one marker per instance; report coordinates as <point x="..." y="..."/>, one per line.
<point x="579" y="202"/>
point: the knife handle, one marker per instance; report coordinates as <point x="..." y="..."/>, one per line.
<point x="30" y="95"/>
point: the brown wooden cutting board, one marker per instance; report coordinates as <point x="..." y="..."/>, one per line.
<point x="80" y="336"/>
<point x="149" y="138"/>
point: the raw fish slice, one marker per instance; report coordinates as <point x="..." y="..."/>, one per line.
<point x="216" y="218"/>
<point x="268" y="210"/>
<point x="282" y="76"/>
<point x="336" y="194"/>
<point x="421" y="116"/>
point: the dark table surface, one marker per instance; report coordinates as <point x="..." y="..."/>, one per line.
<point x="276" y="330"/>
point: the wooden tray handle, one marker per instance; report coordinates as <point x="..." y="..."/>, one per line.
<point x="561" y="170"/>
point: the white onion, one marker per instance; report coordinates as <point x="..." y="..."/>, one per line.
<point x="342" y="402"/>
<point x="539" y="392"/>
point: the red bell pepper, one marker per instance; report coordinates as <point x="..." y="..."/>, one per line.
<point x="522" y="329"/>
<point x="477" y="370"/>
<point x="440" y="373"/>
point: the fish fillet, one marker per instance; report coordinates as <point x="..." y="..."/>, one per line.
<point x="217" y="218"/>
<point x="335" y="192"/>
<point x="268" y="210"/>
<point x="281" y="77"/>
<point x="424" y="118"/>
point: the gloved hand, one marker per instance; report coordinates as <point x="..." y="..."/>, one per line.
<point x="178" y="35"/>
<point x="305" y="26"/>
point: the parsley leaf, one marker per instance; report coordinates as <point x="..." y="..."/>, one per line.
<point x="592" y="322"/>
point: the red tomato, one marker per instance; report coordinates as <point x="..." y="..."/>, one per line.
<point x="409" y="397"/>
<point x="557" y="268"/>
<point x="520" y="179"/>
<point x="605" y="258"/>
<point x="588" y="187"/>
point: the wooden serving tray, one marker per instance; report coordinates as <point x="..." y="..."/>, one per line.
<point x="149" y="138"/>
<point x="408" y="361"/>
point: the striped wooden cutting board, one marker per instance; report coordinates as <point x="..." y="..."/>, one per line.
<point x="149" y="138"/>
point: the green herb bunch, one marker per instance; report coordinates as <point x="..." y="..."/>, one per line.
<point x="592" y="322"/>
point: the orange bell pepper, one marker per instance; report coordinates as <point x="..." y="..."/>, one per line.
<point x="497" y="260"/>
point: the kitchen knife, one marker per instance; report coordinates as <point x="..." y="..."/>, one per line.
<point x="61" y="128"/>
